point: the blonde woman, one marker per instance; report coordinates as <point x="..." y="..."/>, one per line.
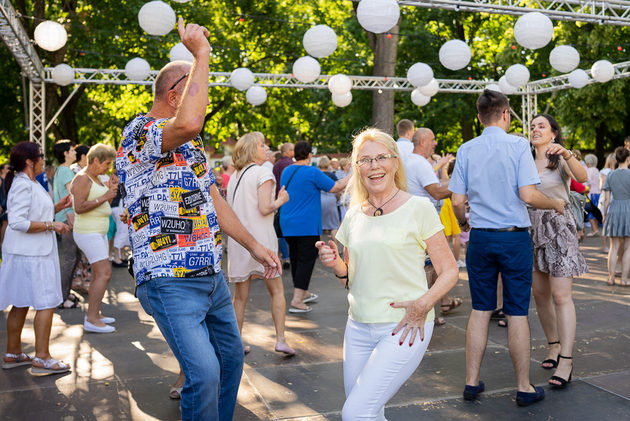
<point x="391" y="315"/>
<point x="91" y="201"/>
<point x="251" y="194"/>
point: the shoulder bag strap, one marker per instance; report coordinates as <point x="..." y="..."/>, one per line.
<point x="288" y="182"/>
<point x="564" y="182"/>
<point x="239" y="181"/>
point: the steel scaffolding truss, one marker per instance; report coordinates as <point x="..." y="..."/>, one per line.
<point x="615" y="12"/>
<point x="16" y="39"/>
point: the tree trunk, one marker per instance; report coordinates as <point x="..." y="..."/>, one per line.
<point x="600" y="141"/>
<point x="467" y="129"/>
<point x="385" y="51"/>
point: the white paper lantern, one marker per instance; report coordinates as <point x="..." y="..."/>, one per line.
<point x="181" y="1"/>
<point x="493" y="87"/>
<point x="242" y="78"/>
<point x="256" y="95"/>
<point x="306" y="69"/>
<point x="517" y="75"/>
<point x="430" y="88"/>
<point x="455" y="54"/>
<point x="419" y="99"/>
<point x="378" y="16"/>
<point x="342" y="100"/>
<point x="63" y="74"/>
<point x="339" y="84"/>
<point x="419" y="74"/>
<point x="180" y="52"/>
<point x="137" y="69"/>
<point x="156" y="18"/>
<point x="533" y="30"/>
<point x="50" y="35"/>
<point x="564" y="58"/>
<point x="578" y="78"/>
<point x="506" y="87"/>
<point x="602" y="71"/>
<point x="320" y="41"/>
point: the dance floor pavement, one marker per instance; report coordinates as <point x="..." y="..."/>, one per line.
<point x="126" y="375"/>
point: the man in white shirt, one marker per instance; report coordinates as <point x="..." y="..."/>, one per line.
<point x="422" y="181"/>
<point x="405" y="130"/>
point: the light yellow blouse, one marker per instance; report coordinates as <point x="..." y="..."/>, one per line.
<point x="95" y="221"/>
<point x="387" y="256"/>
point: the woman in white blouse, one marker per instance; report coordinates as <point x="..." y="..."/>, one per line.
<point x="251" y="194"/>
<point x="29" y="275"/>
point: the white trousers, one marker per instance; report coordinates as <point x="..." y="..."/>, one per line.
<point x="375" y="366"/>
<point x="121" y="239"/>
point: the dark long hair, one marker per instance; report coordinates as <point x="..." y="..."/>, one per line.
<point x="17" y="160"/>
<point x="554" y="160"/>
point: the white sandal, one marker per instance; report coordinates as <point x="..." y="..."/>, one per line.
<point x="20" y="360"/>
<point x="47" y="366"/>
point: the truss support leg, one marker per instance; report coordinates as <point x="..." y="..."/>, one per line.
<point x="37" y="114"/>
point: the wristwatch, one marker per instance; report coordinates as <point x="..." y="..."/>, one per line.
<point x="571" y="155"/>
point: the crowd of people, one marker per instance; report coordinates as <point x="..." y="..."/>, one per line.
<point x="502" y="208"/>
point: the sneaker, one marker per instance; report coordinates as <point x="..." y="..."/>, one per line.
<point x="471" y="392"/>
<point x="461" y="264"/>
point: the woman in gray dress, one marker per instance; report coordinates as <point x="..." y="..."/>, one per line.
<point x="557" y="257"/>
<point x="617" y="216"/>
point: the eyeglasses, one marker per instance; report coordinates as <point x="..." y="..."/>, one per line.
<point x="379" y="159"/>
<point x="178" y="80"/>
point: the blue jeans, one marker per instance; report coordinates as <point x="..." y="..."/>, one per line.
<point x="284" y="248"/>
<point x="197" y="319"/>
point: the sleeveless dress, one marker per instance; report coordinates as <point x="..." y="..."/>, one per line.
<point x="554" y="236"/>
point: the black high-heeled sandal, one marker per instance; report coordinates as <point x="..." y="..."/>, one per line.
<point x="554" y="363"/>
<point x="563" y="382"/>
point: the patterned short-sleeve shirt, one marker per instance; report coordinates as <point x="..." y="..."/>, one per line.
<point x="173" y="225"/>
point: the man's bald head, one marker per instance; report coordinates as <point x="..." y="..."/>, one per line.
<point x="168" y="76"/>
<point x="423" y="142"/>
<point x="422" y="135"/>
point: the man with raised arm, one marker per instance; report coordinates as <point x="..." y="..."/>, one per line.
<point x="497" y="174"/>
<point x="176" y="211"/>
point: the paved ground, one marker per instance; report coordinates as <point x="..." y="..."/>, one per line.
<point x="126" y="375"/>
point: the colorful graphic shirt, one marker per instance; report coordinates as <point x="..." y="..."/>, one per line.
<point x="173" y="225"/>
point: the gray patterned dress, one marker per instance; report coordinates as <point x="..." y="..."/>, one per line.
<point x="617" y="223"/>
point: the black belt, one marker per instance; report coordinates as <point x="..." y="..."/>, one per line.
<point x="510" y="229"/>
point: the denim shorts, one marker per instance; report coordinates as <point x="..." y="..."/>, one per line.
<point x="509" y="254"/>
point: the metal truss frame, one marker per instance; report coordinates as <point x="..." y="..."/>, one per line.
<point x="37" y="113"/>
<point x="612" y="12"/>
<point x="17" y="40"/>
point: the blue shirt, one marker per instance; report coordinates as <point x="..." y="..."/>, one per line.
<point x="302" y="214"/>
<point x="490" y="169"/>
<point x="173" y="225"/>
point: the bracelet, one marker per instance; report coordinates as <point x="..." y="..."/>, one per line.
<point x="571" y="155"/>
<point x="345" y="276"/>
<point x="461" y="224"/>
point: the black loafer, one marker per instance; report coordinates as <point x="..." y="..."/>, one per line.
<point x="471" y="392"/>
<point x="528" y="398"/>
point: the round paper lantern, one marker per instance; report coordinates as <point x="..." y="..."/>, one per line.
<point x="50" y="35"/>
<point x="256" y="95"/>
<point x="242" y="78"/>
<point x="455" y="54"/>
<point x="181" y="1"/>
<point x="342" y="100"/>
<point x="564" y="58"/>
<point x="578" y="78"/>
<point x="506" y="87"/>
<point x="602" y="71"/>
<point x="533" y="30"/>
<point x="137" y="69"/>
<point x="419" y="99"/>
<point x="306" y="69"/>
<point x="339" y="84"/>
<point x="320" y="41"/>
<point x="180" y="52"/>
<point x="419" y="74"/>
<point x="63" y="74"/>
<point x="517" y="75"/>
<point x="493" y="87"/>
<point x="378" y="16"/>
<point x="156" y="18"/>
<point x="430" y="88"/>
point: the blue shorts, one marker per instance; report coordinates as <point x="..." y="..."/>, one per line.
<point x="507" y="253"/>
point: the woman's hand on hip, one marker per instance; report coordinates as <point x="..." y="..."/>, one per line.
<point x="414" y="320"/>
<point x="328" y="253"/>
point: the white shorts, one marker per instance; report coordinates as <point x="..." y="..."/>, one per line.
<point x="95" y="246"/>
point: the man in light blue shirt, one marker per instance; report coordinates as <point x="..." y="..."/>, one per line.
<point x="405" y="130"/>
<point x="496" y="173"/>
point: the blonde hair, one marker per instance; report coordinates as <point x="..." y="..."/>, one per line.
<point x="245" y="149"/>
<point x="610" y="161"/>
<point x="101" y="151"/>
<point x="323" y="163"/>
<point x="358" y="192"/>
<point x="343" y="162"/>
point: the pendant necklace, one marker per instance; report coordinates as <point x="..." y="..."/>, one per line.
<point x="379" y="210"/>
